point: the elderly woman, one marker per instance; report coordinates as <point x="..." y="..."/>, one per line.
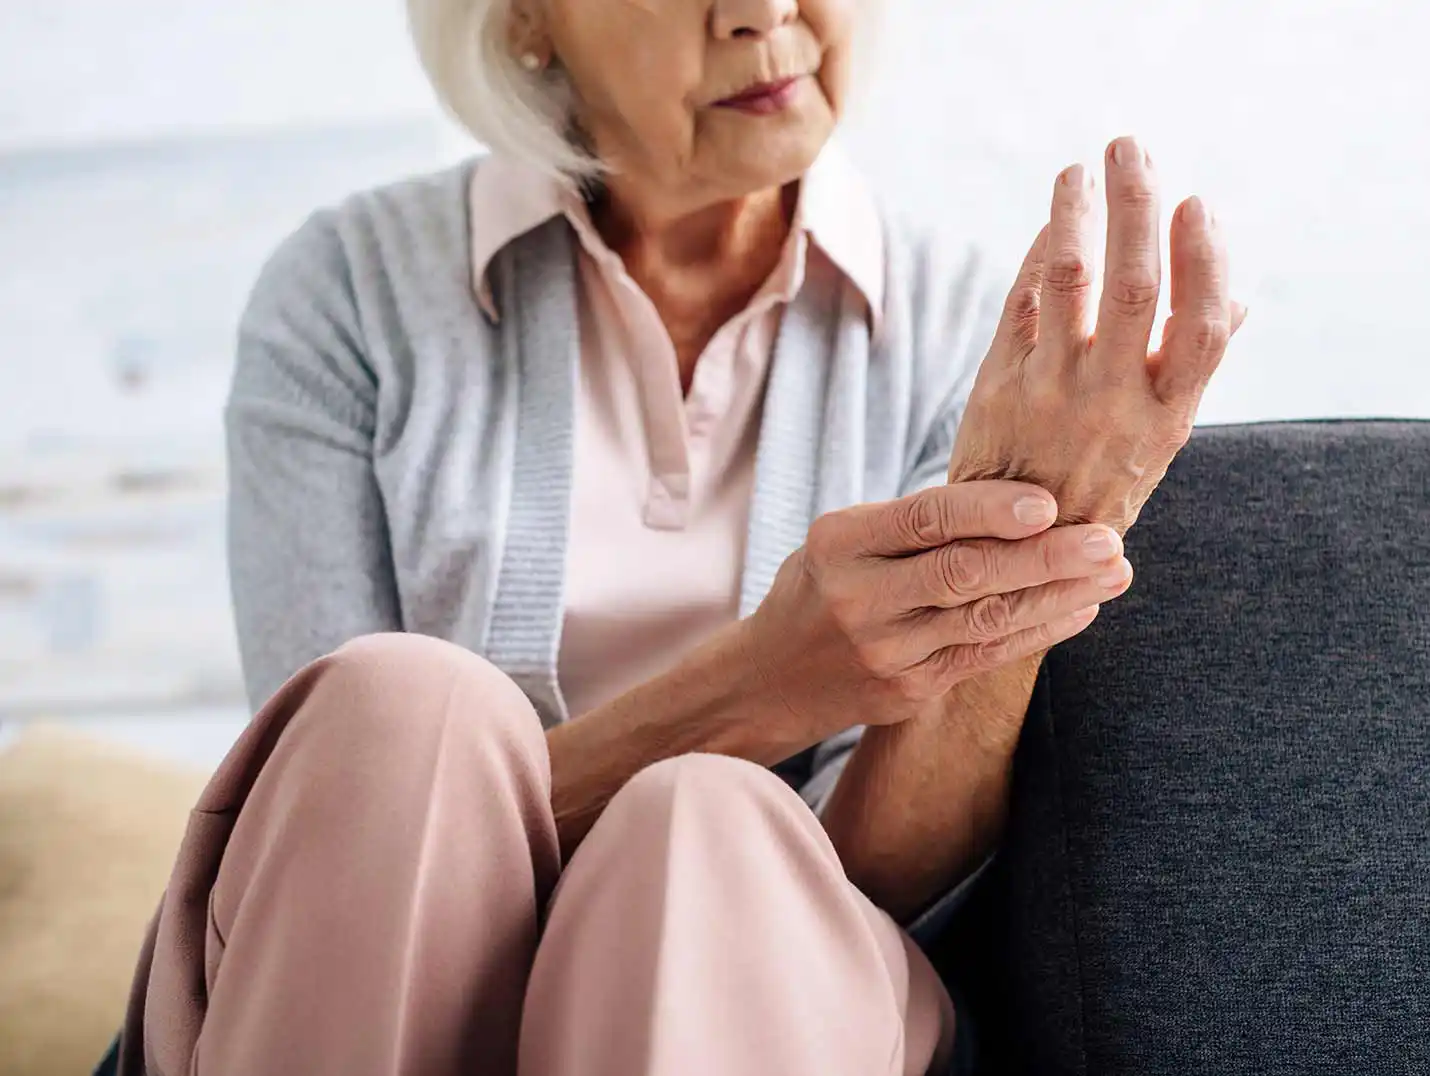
<point x="589" y="500"/>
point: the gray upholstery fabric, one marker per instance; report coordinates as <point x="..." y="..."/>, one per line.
<point x="1218" y="859"/>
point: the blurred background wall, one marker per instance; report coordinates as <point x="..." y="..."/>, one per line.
<point x="152" y="152"/>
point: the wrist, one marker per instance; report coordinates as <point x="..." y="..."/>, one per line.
<point x="711" y="702"/>
<point x="983" y="715"/>
<point x="764" y="691"/>
<point x="1113" y="507"/>
<point x="716" y="700"/>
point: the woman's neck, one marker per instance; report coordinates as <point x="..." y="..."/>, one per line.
<point x="698" y="268"/>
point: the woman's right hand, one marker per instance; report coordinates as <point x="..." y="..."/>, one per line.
<point x="888" y="606"/>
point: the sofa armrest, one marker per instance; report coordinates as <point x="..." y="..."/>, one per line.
<point x="1218" y="856"/>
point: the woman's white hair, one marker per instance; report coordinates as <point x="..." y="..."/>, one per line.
<point x="466" y="48"/>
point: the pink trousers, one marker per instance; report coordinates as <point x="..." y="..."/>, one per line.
<point x="371" y="884"/>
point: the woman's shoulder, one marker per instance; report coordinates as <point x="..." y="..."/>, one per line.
<point x="339" y="305"/>
<point x="385" y="236"/>
<point x="939" y="271"/>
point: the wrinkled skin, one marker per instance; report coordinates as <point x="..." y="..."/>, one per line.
<point x="648" y="76"/>
<point x="1094" y="418"/>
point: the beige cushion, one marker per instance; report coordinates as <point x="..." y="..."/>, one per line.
<point x="88" y="834"/>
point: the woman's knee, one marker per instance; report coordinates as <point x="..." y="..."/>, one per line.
<point x="711" y="824"/>
<point x="398" y="696"/>
<point x="376" y="730"/>
<point x="394" y="765"/>
<point x="714" y="791"/>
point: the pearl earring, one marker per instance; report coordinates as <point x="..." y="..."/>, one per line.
<point x="531" y="61"/>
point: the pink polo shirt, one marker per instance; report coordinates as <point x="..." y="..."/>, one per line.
<point x="662" y="480"/>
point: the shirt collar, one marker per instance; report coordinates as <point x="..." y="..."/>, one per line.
<point x="836" y="209"/>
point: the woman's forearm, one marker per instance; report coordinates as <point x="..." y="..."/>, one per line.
<point x="713" y="701"/>
<point x="922" y="803"/>
<point x="844" y="637"/>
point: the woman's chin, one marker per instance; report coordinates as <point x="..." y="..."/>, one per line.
<point x="774" y="156"/>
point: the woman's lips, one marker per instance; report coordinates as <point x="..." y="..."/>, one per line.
<point x="765" y="99"/>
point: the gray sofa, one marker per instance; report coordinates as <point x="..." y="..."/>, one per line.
<point x="1218" y="858"/>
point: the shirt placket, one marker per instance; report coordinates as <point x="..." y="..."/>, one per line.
<point x="657" y="373"/>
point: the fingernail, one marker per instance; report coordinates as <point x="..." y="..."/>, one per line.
<point x="1034" y="511"/>
<point x="1086" y="614"/>
<point x="1238" y="314"/>
<point x="1099" y="545"/>
<point x="1194" y="212"/>
<point x="1126" y="153"/>
<point x="1076" y="177"/>
<point x="1114" y="577"/>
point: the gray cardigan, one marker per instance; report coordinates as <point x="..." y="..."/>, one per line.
<point x="398" y="462"/>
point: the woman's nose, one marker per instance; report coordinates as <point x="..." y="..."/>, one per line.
<point x="750" y="18"/>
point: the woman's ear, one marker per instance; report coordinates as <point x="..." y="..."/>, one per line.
<point x="527" y="36"/>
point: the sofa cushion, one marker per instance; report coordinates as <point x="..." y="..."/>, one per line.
<point x="1218" y="857"/>
<point x="87" y="839"/>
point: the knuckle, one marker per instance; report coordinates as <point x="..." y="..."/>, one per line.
<point x="824" y="539"/>
<point x="917" y="685"/>
<point x="964" y="662"/>
<point x="1022" y="305"/>
<point x="923" y="519"/>
<point x="848" y="613"/>
<point x="878" y="657"/>
<point x="990" y="618"/>
<point x="1068" y="273"/>
<point x="896" y="696"/>
<point x="991" y="654"/>
<point x="963" y="567"/>
<point x="1134" y="291"/>
<point x="1211" y="337"/>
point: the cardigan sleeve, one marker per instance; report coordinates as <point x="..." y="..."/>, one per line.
<point x="951" y="339"/>
<point x="310" y="563"/>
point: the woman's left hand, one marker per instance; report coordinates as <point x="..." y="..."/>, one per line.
<point x="1094" y="419"/>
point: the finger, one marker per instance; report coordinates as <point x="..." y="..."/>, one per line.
<point x="1001" y="615"/>
<point x="1068" y="272"/>
<point x="1197" y="333"/>
<point x="944" y="514"/>
<point x="1133" y="280"/>
<point x="963" y="572"/>
<point x="1018" y="327"/>
<point x="954" y="664"/>
<point x="1037" y="639"/>
<point x="1239" y="312"/>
